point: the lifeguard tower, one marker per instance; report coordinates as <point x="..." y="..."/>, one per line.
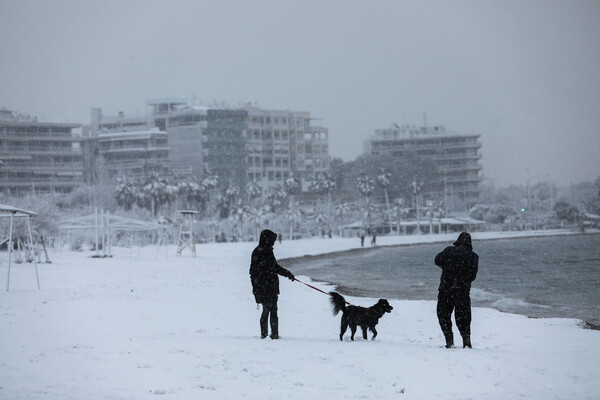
<point x="187" y="237"/>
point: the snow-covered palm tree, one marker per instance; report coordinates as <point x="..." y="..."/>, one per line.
<point x="366" y="186"/>
<point x="328" y="184"/>
<point x="277" y="199"/>
<point x="399" y="212"/>
<point x="254" y="191"/>
<point x="157" y="191"/>
<point x="384" y="181"/>
<point x="291" y="187"/>
<point x="240" y="213"/>
<point x="340" y="211"/>
<point x="260" y="219"/>
<point x="293" y="214"/>
<point x="126" y="193"/>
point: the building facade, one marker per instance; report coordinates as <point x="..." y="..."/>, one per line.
<point x="284" y="144"/>
<point x="135" y="155"/>
<point x="238" y="144"/>
<point x="455" y="156"/>
<point x="247" y="143"/>
<point x="39" y="157"/>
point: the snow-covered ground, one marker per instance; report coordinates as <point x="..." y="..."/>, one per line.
<point x="146" y="324"/>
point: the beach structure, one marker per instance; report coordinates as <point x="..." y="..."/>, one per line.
<point x="187" y="237"/>
<point x="12" y="213"/>
<point x="104" y="225"/>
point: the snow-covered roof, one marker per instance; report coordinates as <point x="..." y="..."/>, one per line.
<point x="17" y="212"/>
<point x="114" y="223"/>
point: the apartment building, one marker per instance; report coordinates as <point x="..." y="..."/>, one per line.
<point x="39" y="157"/>
<point x="135" y="154"/>
<point x="247" y="143"/>
<point x="132" y="146"/>
<point x="187" y="135"/>
<point x="282" y="144"/>
<point x="239" y="144"/>
<point x="455" y="156"/>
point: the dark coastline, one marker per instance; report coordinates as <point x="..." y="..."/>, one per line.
<point x="365" y="251"/>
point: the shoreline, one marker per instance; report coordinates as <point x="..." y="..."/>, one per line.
<point x="366" y="249"/>
<point x="363" y="251"/>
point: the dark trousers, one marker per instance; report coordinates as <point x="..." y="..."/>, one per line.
<point x="460" y="303"/>
<point x="269" y="309"/>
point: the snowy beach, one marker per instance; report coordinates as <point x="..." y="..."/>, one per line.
<point x="148" y="324"/>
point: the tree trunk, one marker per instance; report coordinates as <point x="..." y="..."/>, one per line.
<point x="387" y="204"/>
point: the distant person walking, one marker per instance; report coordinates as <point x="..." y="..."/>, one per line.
<point x="459" y="266"/>
<point x="374" y="239"/>
<point x="362" y="240"/>
<point x="264" y="272"/>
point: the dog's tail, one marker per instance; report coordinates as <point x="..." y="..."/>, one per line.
<point x="338" y="303"/>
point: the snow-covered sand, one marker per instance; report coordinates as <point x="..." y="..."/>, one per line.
<point x="144" y="325"/>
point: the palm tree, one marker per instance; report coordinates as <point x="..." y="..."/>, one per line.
<point x="240" y="212"/>
<point x="292" y="186"/>
<point x="254" y="191"/>
<point x="329" y="185"/>
<point x="366" y="186"/>
<point x="277" y="199"/>
<point x="293" y="214"/>
<point x="228" y="200"/>
<point x="125" y="193"/>
<point x="341" y="210"/>
<point x="384" y="181"/>
<point x="157" y="191"/>
<point x="261" y="218"/>
<point x="320" y="219"/>
<point x="399" y="212"/>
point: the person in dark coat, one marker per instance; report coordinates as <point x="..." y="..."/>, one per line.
<point x="459" y="266"/>
<point x="264" y="272"/>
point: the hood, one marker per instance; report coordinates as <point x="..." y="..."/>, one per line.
<point x="267" y="238"/>
<point x="464" y="240"/>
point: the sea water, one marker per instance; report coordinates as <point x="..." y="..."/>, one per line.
<point x="555" y="276"/>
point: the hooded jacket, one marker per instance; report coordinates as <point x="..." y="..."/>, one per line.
<point x="459" y="265"/>
<point x="264" y="269"/>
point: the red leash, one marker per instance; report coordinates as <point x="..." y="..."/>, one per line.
<point x="312" y="287"/>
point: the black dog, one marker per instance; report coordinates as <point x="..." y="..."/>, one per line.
<point x="355" y="315"/>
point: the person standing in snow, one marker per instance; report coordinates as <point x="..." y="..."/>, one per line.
<point x="264" y="272"/>
<point x="459" y="266"/>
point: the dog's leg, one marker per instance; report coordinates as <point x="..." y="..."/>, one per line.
<point x="343" y="328"/>
<point x="374" y="332"/>
<point x="353" y="330"/>
<point x="364" y="330"/>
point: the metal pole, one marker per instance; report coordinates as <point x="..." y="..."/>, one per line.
<point x="37" y="275"/>
<point x="108" y="232"/>
<point x="96" y="227"/>
<point x="10" y="246"/>
<point x="102" y="231"/>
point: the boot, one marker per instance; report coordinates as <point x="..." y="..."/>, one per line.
<point x="449" y="341"/>
<point x="467" y="342"/>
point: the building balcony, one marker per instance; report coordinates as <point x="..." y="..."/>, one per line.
<point x="450" y="157"/>
<point x="139" y="149"/>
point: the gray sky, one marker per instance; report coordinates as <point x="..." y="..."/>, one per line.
<point x="523" y="74"/>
